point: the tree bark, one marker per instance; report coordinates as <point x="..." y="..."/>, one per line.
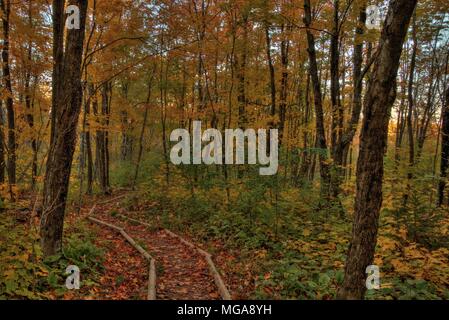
<point x="90" y="177"/>
<point x="444" y="151"/>
<point x="271" y="69"/>
<point x="411" y="107"/>
<point x="127" y="139"/>
<point x="241" y="74"/>
<point x="58" y="56"/>
<point x="378" y="101"/>
<point x="428" y="109"/>
<point x="2" y="145"/>
<point x="319" y="117"/>
<point x="28" y="102"/>
<point x="344" y="137"/>
<point x="285" y="45"/>
<point x="336" y="127"/>
<point x="142" y="131"/>
<point x="400" y="126"/>
<point x="101" y="145"/>
<point x="67" y="106"/>
<point x="5" y="6"/>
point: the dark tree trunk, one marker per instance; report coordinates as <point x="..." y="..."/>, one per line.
<point x="101" y="139"/>
<point x="107" y="111"/>
<point x="444" y="151"/>
<point x="343" y="137"/>
<point x="142" y="131"/>
<point x="11" y="166"/>
<point x="241" y="74"/>
<point x="285" y="45"/>
<point x="378" y="101"/>
<point x="271" y="69"/>
<point x="306" y="155"/>
<point x="400" y="127"/>
<point x="272" y="76"/>
<point x="2" y="145"/>
<point x="163" y="103"/>
<point x="319" y="117"/>
<point x="428" y="110"/>
<point x="127" y="139"/>
<point x="58" y="56"/>
<point x="29" y="104"/>
<point x="90" y="176"/>
<point x="66" y="108"/>
<point x="335" y="83"/>
<point x="411" y="107"/>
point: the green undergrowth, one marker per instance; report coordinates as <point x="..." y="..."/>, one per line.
<point x="24" y="274"/>
<point x="294" y="246"/>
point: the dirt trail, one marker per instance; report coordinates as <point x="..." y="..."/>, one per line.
<point x="182" y="273"/>
<point x="125" y="272"/>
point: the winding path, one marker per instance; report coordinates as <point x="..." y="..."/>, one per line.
<point x="182" y="271"/>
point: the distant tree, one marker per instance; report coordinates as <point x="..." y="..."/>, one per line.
<point x="318" y="101"/>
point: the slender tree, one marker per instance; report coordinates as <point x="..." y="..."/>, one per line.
<point x="373" y="139"/>
<point x="319" y="115"/>
<point x="5" y="6"/>
<point x="444" y="166"/>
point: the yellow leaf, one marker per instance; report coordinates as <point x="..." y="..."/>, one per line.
<point x="9" y="274"/>
<point x="399" y="266"/>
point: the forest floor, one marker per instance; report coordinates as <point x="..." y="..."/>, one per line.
<point x="182" y="273"/>
<point x="303" y="262"/>
<point x="110" y="268"/>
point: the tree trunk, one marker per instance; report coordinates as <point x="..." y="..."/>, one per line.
<point x="411" y="142"/>
<point x="127" y="139"/>
<point x="285" y="45"/>
<point x="58" y="56"/>
<point x="144" y="124"/>
<point x="90" y="176"/>
<point x="101" y="145"/>
<point x="335" y="83"/>
<point x="163" y="103"/>
<point x="11" y="166"/>
<point x="319" y="117"/>
<point x="272" y="77"/>
<point x="444" y="151"/>
<point x="378" y="101"/>
<point x="271" y="69"/>
<point x="67" y="109"/>
<point x="428" y="112"/>
<point x="400" y="127"/>
<point x="2" y="145"/>
<point x="28" y="102"/>
<point x="306" y="155"/>
<point x="344" y="139"/>
<point x="241" y="74"/>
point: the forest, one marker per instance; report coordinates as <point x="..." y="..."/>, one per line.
<point x="224" y="149"/>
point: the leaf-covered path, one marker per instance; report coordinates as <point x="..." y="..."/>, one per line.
<point x="182" y="273"/>
<point x="125" y="273"/>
